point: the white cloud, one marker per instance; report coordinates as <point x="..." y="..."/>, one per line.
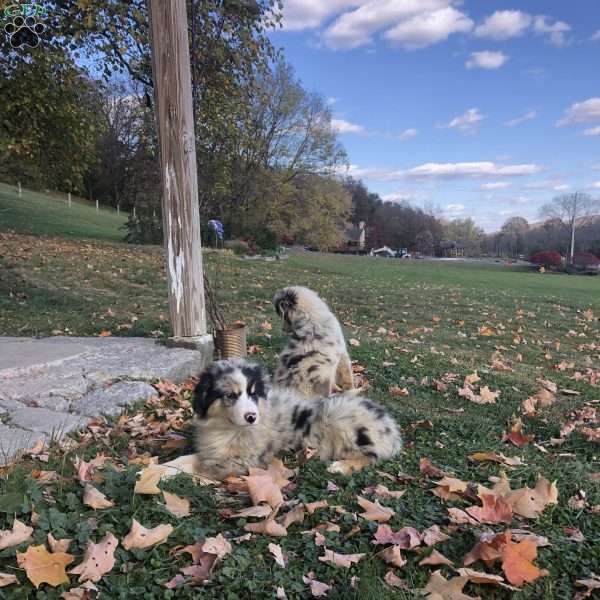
<point x="596" y="184"/>
<point x="528" y="116"/>
<point x="470" y="169"/>
<point x="556" y="30"/>
<point x="581" y="112"/>
<point x="455" y="208"/>
<point x="593" y="131"/>
<point x="408" y="134"/>
<point x="309" y="14"/>
<point x="486" y="59"/>
<point x="343" y="126"/>
<point x="504" y="24"/>
<point x="332" y="100"/>
<point x="596" y="36"/>
<point x="467" y="123"/>
<point x="563" y="187"/>
<point x="521" y="200"/>
<point x="429" y="28"/>
<point x="548" y="184"/>
<point x="397" y="197"/>
<point x="507" y="24"/>
<point x="495" y="185"/>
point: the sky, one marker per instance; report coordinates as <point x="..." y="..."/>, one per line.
<point x="480" y="108"/>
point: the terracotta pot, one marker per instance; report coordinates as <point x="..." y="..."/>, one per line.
<point x="231" y="341"/>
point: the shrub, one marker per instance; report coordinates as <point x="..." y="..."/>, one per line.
<point x="238" y="247"/>
<point x="547" y="258"/>
<point x="146" y="228"/>
<point x="586" y="259"/>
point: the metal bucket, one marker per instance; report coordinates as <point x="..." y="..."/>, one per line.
<point x="231" y="342"/>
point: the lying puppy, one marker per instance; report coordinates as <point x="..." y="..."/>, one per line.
<point x="315" y="361"/>
<point x="243" y="423"/>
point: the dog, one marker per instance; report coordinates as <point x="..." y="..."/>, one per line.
<point x="242" y="422"/>
<point x="315" y="360"/>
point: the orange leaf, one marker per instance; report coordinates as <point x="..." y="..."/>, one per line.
<point x="178" y="507"/>
<point x="262" y="488"/>
<point x="393" y="556"/>
<point x="140" y="537"/>
<point x="340" y="560"/>
<point x="517" y="562"/>
<point x="440" y="588"/>
<point x="20" y="533"/>
<point x="494" y="510"/>
<point x="374" y="511"/>
<point x="436" y="558"/>
<point x="42" y="566"/>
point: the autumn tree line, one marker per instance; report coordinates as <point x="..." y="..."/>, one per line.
<point x="77" y="116"/>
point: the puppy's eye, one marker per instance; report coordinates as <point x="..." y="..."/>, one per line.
<point x="231" y="396"/>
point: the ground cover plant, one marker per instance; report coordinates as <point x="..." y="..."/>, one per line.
<point x="490" y="370"/>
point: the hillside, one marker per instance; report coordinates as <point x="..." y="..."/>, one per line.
<point x="38" y="213"/>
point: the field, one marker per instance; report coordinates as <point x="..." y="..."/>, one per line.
<point x="416" y="326"/>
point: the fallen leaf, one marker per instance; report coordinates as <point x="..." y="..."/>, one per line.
<point x="311" y="507"/>
<point x="277" y="553"/>
<point x="436" y="558"/>
<point x="317" y="588"/>
<point x="515" y="435"/>
<point x="260" y="511"/>
<point x="7" y="579"/>
<point x="354" y="342"/>
<point x="94" y="498"/>
<point x="517" y="562"/>
<point x="296" y="515"/>
<point x="405" y="538"/>
<point x="262" y="488"/>
<point x="140" y="537"/>
<point x="58" y="545"/>
<point x="42" y="566"/>
<point x="374" y="511"/>
<point x="87" y="591"/>
<point x="17" y="535"/>
<point x="440" y="588"/>
<point x="591" y="583"/>
<point x="269" y="526"/>
<point x="383" y="492"/>
<point x="340" y="560"/>
<point x="494" y="509"/>
<point x="484" y="578"/>
<point x="460" y="517"/>
<point x="348" y="466"/>
<point x="530" y="503"/>
<point x="98" y="559"/>
<point x="393" y="556"/>
<point x="433" y="535"/>
<point x="397" y="392"/>
<point x="148" y="480"/>
<point x="488" y="549"/>
<point x="487" y="396"/>
<point x="277" y="471"/>
<point x="429" y="469"/>
<point x="449" y="488"/>
<point x="394" y="581"/>
<point x="178" y="507"/>
<point x="219" y="546"/>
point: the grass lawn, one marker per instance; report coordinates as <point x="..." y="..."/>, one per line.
<point x="46" y="214"/>
<point x="415" y="322"/>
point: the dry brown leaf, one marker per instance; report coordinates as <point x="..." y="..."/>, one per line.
<point x="516" y="436"/>
<point x="140" y="537"/>
<point x="58" y="545"/>
<point x="436" y="558"/>
<point x="42" y="566"/>
<point x="484" y="578"/>
<point x="260" y="511"/>
<point x="591" y="583"/>
<point x="277" y="471"/>
<point x="87" y="591"/>
<point x="7" y="579"/>
<point x="340" y="560"/>
<point x="530" y="503"/>
<point x="383" y="492"/>
<point x="374" y="511"/>
<point x="433" y="535"/>
<point x="348" y="466"/>
<point x="277" y="553"/>
<point x="494" y="509"/>
<point x="317" y="588"/>
<point x="269" y="526"/>
<point x="517" y="562"/>
<point x="397" y="392"/>
<point x="460" y="517"/>
<point x="148" y="480"/>
<point x="394" y="581"/>
<point x="405" y="538"/>
<point x="449" y="488"/>
<point x="219" y="546"/>
<point x="488" y="549"/>
<point x="95" y="499"/>
<point x="430" y="470"/>
<point x="98" y="559"/>
<point x="393" y="556"/>
<point x="472" y="379"/>
<point x="262" y="488"/>
<point x="311" y="507"/>
<point x="17" y="535"/>
<point x="177" y="506"/>
<point x="296" y="515"/>
<point x="440" y="588"/>
<point x="487" y="396"/>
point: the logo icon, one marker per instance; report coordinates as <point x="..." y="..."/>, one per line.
<point x="24" y="30"/>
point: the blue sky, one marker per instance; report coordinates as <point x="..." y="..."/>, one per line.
<point x="483" y="108"/>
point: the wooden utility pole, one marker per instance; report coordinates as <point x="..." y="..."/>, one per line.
<point x="181" y="215"/>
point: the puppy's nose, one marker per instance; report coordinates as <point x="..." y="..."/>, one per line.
<point x="250" y="417"/>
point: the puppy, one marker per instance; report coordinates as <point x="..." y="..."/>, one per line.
<point x="242" y="422"/>
<point x="315" y="360"/>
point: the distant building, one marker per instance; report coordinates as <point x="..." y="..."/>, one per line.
<point x="452" y="249"/>
<point x="355" y="238"/>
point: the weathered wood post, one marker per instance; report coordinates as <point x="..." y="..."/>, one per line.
<point x="69" y="198"/>
<point x="97" y="207"/>
<point x="19" y="184"/>
<point x="181" y="215"/>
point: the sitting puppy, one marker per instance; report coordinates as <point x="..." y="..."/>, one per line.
<point x="241" y="423"/>
<point x="315" y="361"/>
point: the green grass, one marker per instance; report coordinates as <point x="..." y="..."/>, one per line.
<point x="45" y="214"/>
<point x="434" y="311"/>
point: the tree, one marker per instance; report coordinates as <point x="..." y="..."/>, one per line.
<point x="513" y="235"/>
<point x="424" y="242"/>
<point x="573" y="211"/>
<point x="467" y="233"/>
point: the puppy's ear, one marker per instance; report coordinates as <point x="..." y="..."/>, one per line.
<point x="258" y="380"/>
<point x="204" y="393"/>
<point x="284" y="301"/>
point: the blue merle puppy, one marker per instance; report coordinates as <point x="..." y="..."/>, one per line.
<point x="243" y="422"/>
<point x="315" y="361"/>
